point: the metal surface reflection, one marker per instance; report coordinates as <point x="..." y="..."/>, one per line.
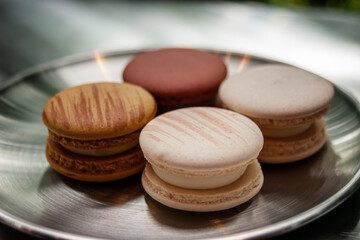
<point x="37" y="200"/>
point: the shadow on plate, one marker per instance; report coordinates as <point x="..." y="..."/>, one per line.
<point x="341" y="223"/>
<point x="192" y="220"/>
<point x="107" y="193"/>
<point x="315" y="177"/>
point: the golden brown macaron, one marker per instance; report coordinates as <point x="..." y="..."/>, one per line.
<point x="94" y="169"/>
<point x="98" y="119"/>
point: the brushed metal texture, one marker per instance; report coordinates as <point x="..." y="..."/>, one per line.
<point x="37" y="200"/>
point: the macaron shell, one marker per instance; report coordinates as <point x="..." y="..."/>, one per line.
<point x="240" y="191"/>
<point x="94" y="169"/>
<point x="201" y="140"/>
<point x="276" y="92"/>
<point x="99" y="110"/>
<point x="284" y="150"/>
<point x="176" y="73"/>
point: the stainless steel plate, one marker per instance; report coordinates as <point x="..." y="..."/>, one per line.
<point x="37" y="200"/>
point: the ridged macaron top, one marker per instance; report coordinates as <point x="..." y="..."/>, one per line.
<point x="277" y="92"/>
<point x="99" y="110"/>
<point x="176" y="72"/>
<point x="200" y="139"/>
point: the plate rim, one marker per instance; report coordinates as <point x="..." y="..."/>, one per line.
<point x="271" y="230"/>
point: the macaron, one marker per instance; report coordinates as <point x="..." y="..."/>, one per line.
<point x="178" y="77"/>
<point x="96" y="120"/>
<point x="201" y="159"/>
<point x="287" y="103"/>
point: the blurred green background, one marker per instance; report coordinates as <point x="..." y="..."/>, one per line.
<point x="349" y="5"/>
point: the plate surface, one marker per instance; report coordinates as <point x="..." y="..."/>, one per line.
<point x="37" y="200"/>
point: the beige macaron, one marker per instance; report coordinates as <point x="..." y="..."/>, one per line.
<point x="200" y="157"/>
<point x="286" y="102"/>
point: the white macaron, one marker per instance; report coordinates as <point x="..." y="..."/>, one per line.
<point x="198" y="153"/>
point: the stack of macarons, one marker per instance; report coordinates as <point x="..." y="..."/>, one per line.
<point x="198" y="158"/>
<point x="94" y="130"/>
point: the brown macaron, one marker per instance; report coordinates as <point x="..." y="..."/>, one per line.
<point x="178" y="77"/>
<point x="97" y="120"/>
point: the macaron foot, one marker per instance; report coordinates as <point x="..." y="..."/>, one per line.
<point x="207" y="200"/>
<point x="284" y="150"/>
<point x="94" y="169"/>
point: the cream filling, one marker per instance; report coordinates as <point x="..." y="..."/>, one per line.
<point x="198" y="182"/>
<point x="284" y="132"/>
<point x="102" y="152"/>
